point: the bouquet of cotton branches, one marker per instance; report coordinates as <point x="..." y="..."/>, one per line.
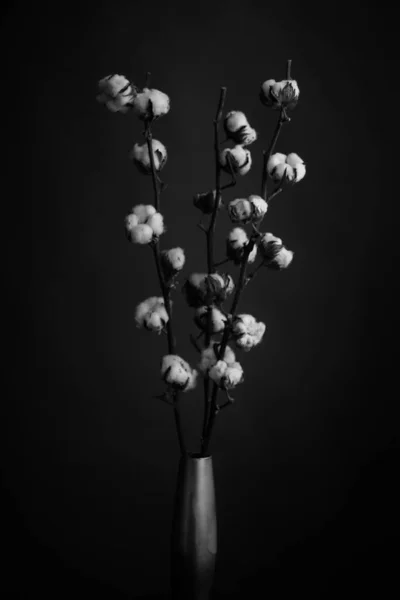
<point x="207" y="292"/>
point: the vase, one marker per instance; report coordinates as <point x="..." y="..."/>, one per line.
<point x="194" y="529"/>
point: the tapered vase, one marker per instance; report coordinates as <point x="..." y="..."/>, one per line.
<point x="194" y="530"/>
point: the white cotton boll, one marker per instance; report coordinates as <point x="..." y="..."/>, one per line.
<point x="259" y="205"/>
<point x="245" y="342"/>
<point x="141" y="234"/>
<point x="141" y="158"/>
<point x="281" y="260"/>
<point x="117" y="93"/>
<point x="218" y="370"/>
<point x="265" y="92"/>
<point x="294" y="159"/>
<point x="247" y="136"/>
<point x="234" y="120"/>
<point x="154" y="321"/>
<point x="299" y="172"/>
<point x="280" y="171"/>
<point x="270" y="245"/>
<point x="233" y="375"/>
<point x="177" y="372"/>
<point x="274" y="160"/>
<point x="240" y="210"/>
<point x="246" y="166"/>
<point x="289" y="173"/>
<point x="192" y="381"/>
<point x="143" y="212"/>
<point x="237" y="238"/>
<point x="269" y="238"/>
<point x="156" y="222"/>
<point x="151" y="103"/>
<point x="160" y="101"/>
<point x="229" y="355"/>
<point x="240" y="159"/>
<point x="172" y="261"/>
<point x="130" y="223"/>
<point x="253" y="255"/>
<point x="207" y="359"/>
<point x="148" y="306"/>
<point x="218" y="319"/>
<point x="141" y="311"/>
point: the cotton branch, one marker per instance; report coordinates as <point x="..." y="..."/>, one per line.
<point x="164" y="287"/>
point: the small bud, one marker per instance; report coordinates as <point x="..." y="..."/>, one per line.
<point x="117" y="93"/>
<point x="238" y="129"/>
<point x="172" y="261"/>
<point x="177" y="373"/>
<point x="141" y="158"/>
<point x="218" y="320"/>
<point x="151" y="104"/>
<point x="279" y="94"/>
<point x="240" y="210"/>
<point x="240" y="159"/>
<point x="206" y="202"/>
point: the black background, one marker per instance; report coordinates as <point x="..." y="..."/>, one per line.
<point x="306" y="461"/>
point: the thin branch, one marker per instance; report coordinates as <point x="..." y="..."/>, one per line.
<point x="149" y="140"/>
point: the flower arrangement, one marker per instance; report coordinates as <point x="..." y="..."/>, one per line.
<point x="224" y="333"/>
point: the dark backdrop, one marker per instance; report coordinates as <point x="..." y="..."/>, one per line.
<point x="306" y="460"/>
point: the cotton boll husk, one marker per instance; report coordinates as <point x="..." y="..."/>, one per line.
<point x="143" y="211"/>
<point x="282" y="260"/>
<point x="156" y="222"/>
<point x="294" y="159"/>
<point x="206" y="201"/>
<point x="160" y="154"/>
<point x="259" y="205"/>
<point x="141" y="234"/>
<point x="193" y="289"/>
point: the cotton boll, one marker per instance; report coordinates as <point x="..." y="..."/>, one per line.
<point x="240" y="159"/>
<point x="281" y="260"/>
<point x="207" y="359"/>
<point x="245" y="342"/>
<point x="192" y="381"/>
<point x="193" y="289"/>
<point x="259" y="206"/>
<point x="160" y="154"/>
<point x="275" y="160"/>
<point x="299" y="172"/>
<point x="246" y="166"/>
<point x="290" y="173"/>
<point x="280" y="171"/>
<point x="143" y="212"/>
<point x="270" y="245"/>
<point x="252" y="255"/>
<point x="237" y="238"/>
<point x="117" y="93"/>
<point x="156" y="222"/>
<point x="141" y="158"/>
<point x="206" y="202"/>
<point x="234" y="120"/>
<point x="217" y="371"/>
<point x="172" y="261"/>
<point x="265" y="92"/>
<point x="232" y="376"/>
<point x="151" y="103"/>
<point x="247" y="136"/>
<point x="218" y="319"/>
<point x="130" y="223"/>
<point x="141" y="311"/>
<point x="147" y="307"/>
<point x="141" y="234"/>
<point x="154" y="321"/>
<point x="240" y="210"/>
<point x="294" y="159"/>
<point x="177" y="372"/>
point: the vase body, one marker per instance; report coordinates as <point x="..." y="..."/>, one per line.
<point x="194" y="530"/>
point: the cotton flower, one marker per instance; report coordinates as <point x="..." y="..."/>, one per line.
<point x="151" y="104"/>
<point x="236" y="242"/>
<point x="172" y="261"/>
<point x="177" y="373"/>
<point x="152" y="314"/>
<point x="117" y="93"/>
<point x="141" y="158"/>
<point x="247" y="331"/>
<point x="291" y="167"/>
<point x="218" y="319"/>
<point x="240" y="159"/>
<point x="209" y="357"/>
<point x="143" y="224"/>
<point x="206" y="202"/>
<point x="200" y="288"/>
<point x="279" y="94"/>
<point x="226" y="376"/>
<point x="238" y="129"/>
